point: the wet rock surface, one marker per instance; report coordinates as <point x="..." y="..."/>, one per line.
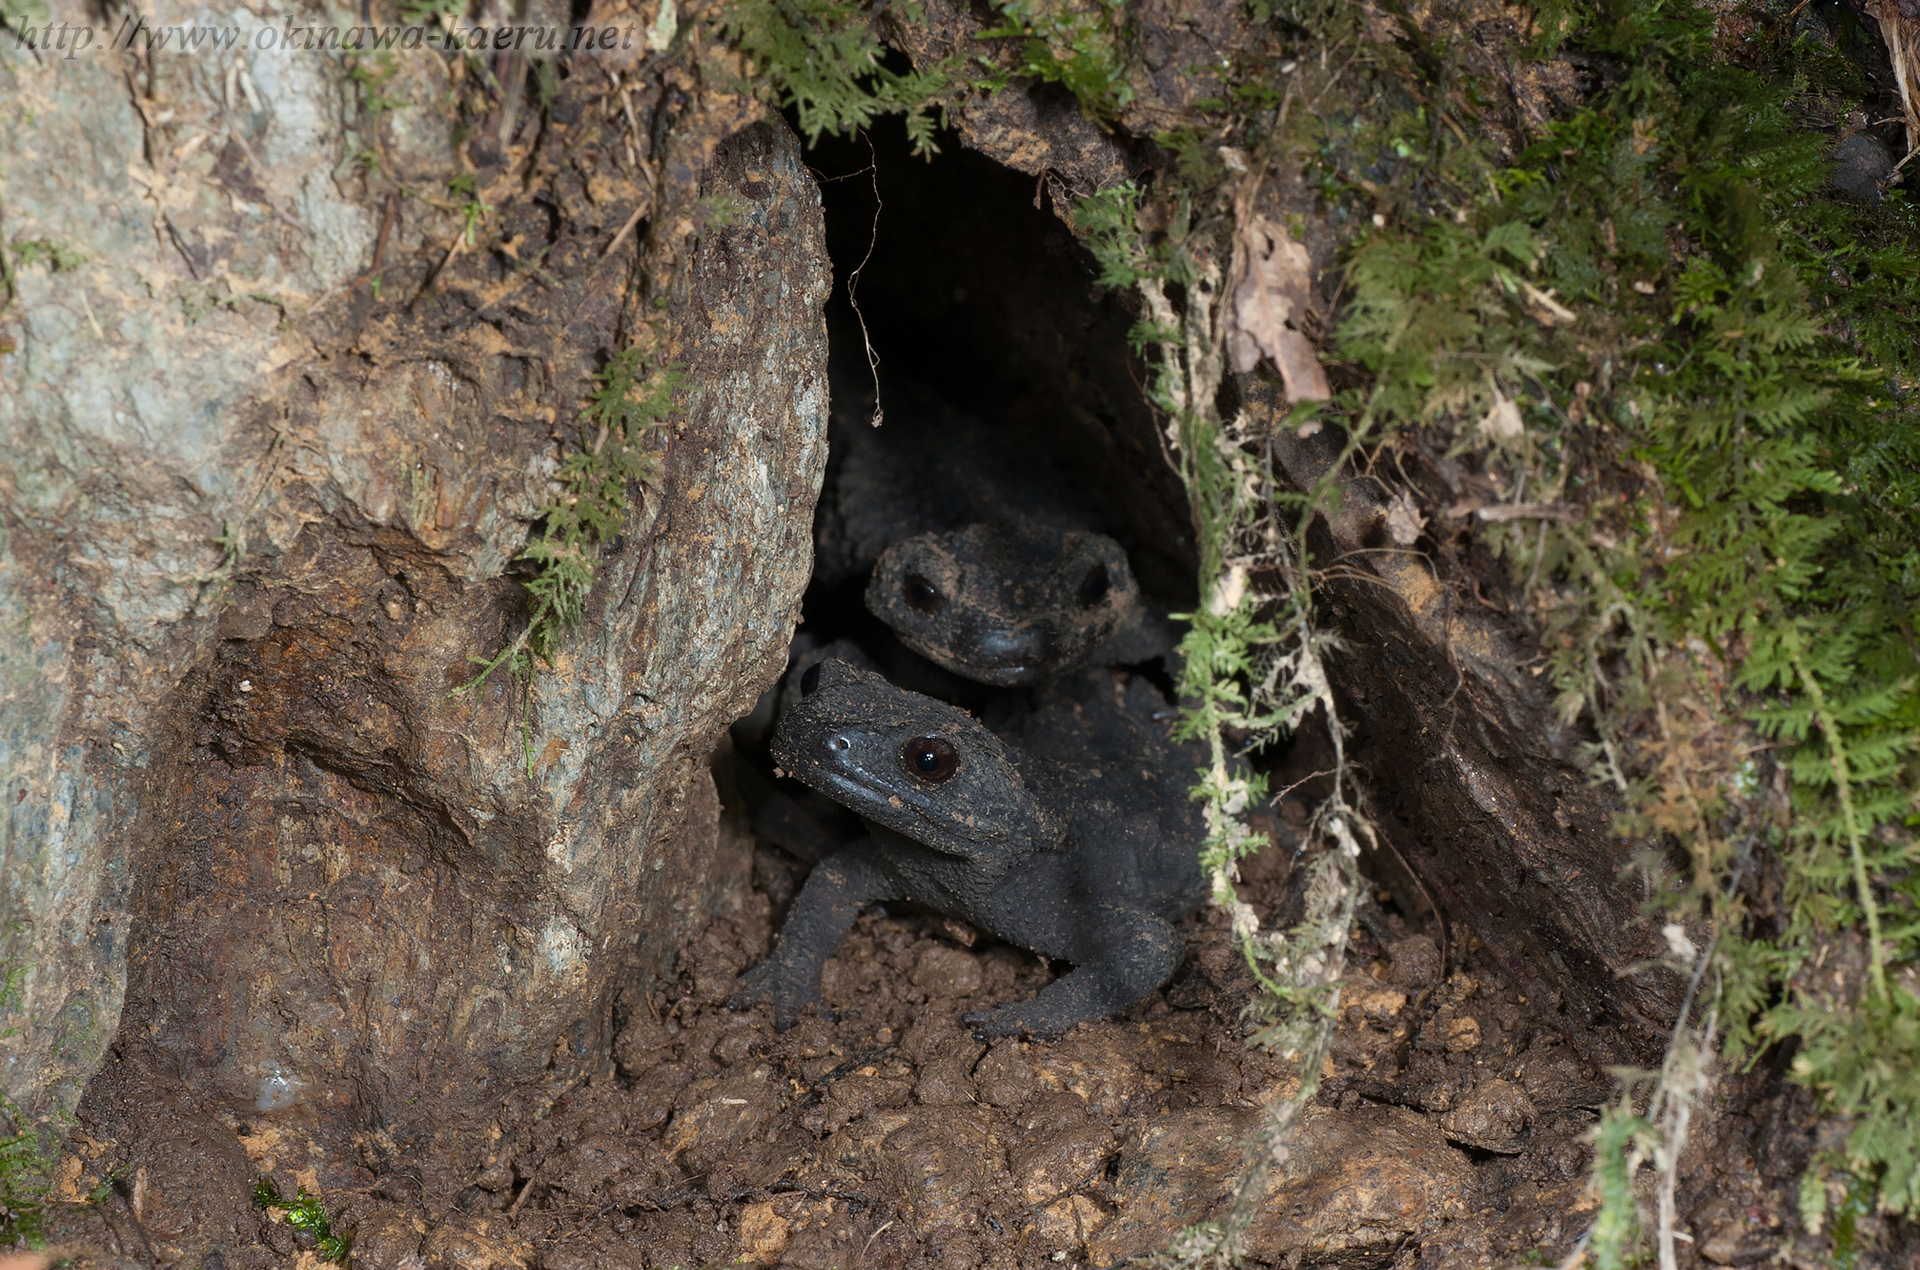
<point x="270" y="456"/>
<point x="338" y="825"/>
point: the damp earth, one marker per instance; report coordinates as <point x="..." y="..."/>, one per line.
<point x="1449" y="1129"/>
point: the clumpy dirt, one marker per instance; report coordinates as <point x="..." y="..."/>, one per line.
<point x="891" y="1137"/>
<point x="1448" y="1130"/>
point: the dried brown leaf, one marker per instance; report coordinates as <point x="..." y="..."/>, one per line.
<point x="1502" y="423"/>
<point x="1405" y="524"/>
<point x="1274" y="275"/>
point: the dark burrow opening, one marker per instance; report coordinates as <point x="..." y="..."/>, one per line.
<point x="979" y="372"/>
<point x="966" y="317"/>
<point x="973" y="291"/>
<point x="971" y="322"/>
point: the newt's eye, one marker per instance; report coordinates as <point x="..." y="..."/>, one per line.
<point x="923" y="596"/>
<point x="930" y="758"/>
<point x="809" y="680"/>
<point x="1093" y="587"/>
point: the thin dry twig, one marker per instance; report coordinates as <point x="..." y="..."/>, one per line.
<point x="868" y="1246"/>
<point x="632" y="221"/>
<point x="853" y="287"/>
<point x="380" y="242"/>
<point x="533" y="1179"/>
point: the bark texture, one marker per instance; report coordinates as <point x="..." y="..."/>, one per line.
<point x="1479" y="786"/>
<point x="258" y="512"/>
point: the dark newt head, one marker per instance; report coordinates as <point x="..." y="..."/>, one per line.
<point x="1002" y="606"/>
<point x="920" y="767"/>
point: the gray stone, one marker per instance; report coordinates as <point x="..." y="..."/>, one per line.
<point x="1860" y="163"/>
<point x="1416" y="961"/>
<point x="1494" y="1117"/>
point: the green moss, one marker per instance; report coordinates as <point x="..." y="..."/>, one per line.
<point x="609" y="457"/>
<point x="827" y="60"/>
<point x="422" y="12"/>
<point x="621" y="413"/>
<point x="1081" y="49"/>
<point x="305" y="1213"/>
<point x="467" y="205"/>
<point x="1861" y="1057"/>
<point x="370" y="76"/>
<point x="104" y="1187"/>
<point x="1745" y="341"/>
<point x="24" y="1168"/>
<point x="1855" y="1204"/>
<point x="55" y="255"/>
<point x="25" y="253"/>
<point x="1611" y="1239"/>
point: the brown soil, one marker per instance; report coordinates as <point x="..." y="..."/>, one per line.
<point x="1448" y="1130"/>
